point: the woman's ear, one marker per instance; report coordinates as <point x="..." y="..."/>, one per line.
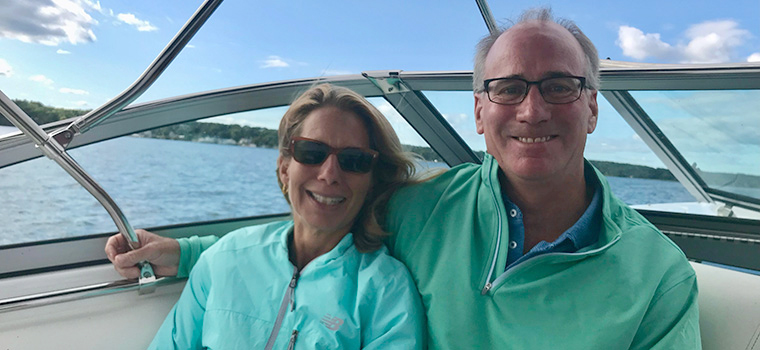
<point x="282" y="170"/>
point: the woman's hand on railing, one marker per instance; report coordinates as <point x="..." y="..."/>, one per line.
<point x="161" y="252"/>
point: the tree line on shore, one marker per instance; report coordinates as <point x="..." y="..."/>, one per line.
<point x="261" y="137"/>
<point x="43" y="114"/>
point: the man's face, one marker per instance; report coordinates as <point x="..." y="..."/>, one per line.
<point x="535" y="140"/>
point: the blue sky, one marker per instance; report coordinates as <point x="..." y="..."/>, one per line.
<point x="81" y="53"/>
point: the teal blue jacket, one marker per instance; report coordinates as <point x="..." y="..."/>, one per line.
<point x="239" y="294"/>
<point x="633" y="289"/>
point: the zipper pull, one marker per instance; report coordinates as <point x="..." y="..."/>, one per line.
<point x="294" y="280"/>
<point x="486" y="288"/>
<point x="293" y="337"/>
<point x="292" y="289"/>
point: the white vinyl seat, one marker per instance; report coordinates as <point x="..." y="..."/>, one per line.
<point x="729" y="308"/>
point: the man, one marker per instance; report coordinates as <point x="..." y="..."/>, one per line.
<point x="530" y="250"/>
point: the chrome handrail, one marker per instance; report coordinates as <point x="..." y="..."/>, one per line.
<point x="53" y="150"/>
<point x="54" y="145"/>
<point x="79" y="293"/>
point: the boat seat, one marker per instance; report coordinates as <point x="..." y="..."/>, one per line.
<point x="729" y="308"/>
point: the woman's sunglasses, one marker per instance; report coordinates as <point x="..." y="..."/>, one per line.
<point x="351" y="159"/>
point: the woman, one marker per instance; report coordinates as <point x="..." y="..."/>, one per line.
<point x="324" y="279"/>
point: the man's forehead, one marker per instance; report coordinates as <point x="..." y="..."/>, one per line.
<point x="541" y="47"/>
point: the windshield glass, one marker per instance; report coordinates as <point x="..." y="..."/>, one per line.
<point x="715" y="131"/>
<point x="63" y="58"/>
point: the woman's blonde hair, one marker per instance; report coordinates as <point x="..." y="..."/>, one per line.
<point x="394" y="167"/>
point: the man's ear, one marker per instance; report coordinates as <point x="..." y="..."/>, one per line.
<point x="478" y="109"/>
<point x="594" y="107"/>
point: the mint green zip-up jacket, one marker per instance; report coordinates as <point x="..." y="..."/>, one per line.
<point x="634" y="289"/>
<point x="244" y="289"/>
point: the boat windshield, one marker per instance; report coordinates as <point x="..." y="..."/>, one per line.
<point x="666" y="135"/>
<point x="716" y="131"/>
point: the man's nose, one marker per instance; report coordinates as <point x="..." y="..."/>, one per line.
<point x="330" y="170"/>
<point x="533" y="109"/>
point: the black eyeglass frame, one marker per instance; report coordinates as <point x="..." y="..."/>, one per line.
<point x="538" y="84"/>
<point x="337" y="152"/>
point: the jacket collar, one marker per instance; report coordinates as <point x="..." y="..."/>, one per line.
<point x="610" y="230"/>
<point x="338" y="251"/>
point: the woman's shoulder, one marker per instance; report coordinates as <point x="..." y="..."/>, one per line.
<point x="380" y="268"/>
<point x="254" y="236"/>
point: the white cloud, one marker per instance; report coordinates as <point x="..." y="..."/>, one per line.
<point x="638" y="45"/>
<point x="190" y="46"/>
<point x="73" y="91"/>
<point x="5" y="68"/>
<point x="41" y="79"/>
<point x="141" y="25"/>
<point x="755" y="57"/>
<point x="47" y="22"/>
<point x="62" y="52"/>
<point x="81" y="103"/>
<point x="713" y="41"/>
<point x="94" y="5"/>
<point x="274" y="62"/>
<point x="706" y="42"/>
<point x="52" y="22"/>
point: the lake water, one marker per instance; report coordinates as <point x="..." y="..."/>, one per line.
<point x="162" y="182"/>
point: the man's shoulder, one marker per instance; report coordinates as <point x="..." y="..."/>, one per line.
<point x="432" y="188"/>
<point x="631" y="222"/>
<point x="641" y="240"/>
<point x="461" y="171"/>
<point x="646" y="246"/>
<point x="437" y="208"/>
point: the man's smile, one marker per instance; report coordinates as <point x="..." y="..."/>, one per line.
<point x="534" y="139"/>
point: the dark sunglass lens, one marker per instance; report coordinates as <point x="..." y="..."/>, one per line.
<point x="355" y="160"/>
<point x="309" y="152"/>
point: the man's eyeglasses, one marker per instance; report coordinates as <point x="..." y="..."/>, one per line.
<point x="312" y="152"/>
<point x="556" y="90"/>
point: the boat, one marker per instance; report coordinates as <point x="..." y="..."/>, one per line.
<point x="63" y="292"/>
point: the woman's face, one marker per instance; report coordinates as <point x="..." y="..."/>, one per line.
<point x="324" y="197"/>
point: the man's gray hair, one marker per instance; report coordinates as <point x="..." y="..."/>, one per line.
<point x="545" y="15"/>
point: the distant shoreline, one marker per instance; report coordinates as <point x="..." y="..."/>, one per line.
<point x="267" y="138"/>
<point x="195" y="133"/>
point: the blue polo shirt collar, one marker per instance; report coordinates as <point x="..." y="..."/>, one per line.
<point x="583" y="233"/>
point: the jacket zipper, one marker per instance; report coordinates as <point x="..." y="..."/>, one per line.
<point x="488" y="284"/>
<point x="287" y="300"/>
<point x="293" y="337"/>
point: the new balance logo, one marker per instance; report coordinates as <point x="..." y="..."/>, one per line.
<point x="332" y="323"/>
